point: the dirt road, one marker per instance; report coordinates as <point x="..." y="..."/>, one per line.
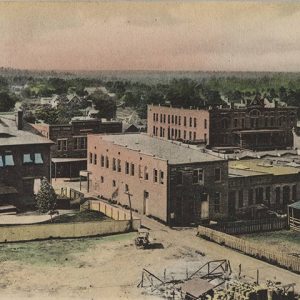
<point x="111" y="267"/>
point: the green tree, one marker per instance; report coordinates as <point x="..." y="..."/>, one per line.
<point x="106" y="106"/>
<point x="6" y="101"/>
<point x="46" y="197"/>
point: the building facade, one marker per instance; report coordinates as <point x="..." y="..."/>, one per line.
<point x="257" y="182"/>
<point x="168" y="181"/>
<point x="254" y="126"/>
<point x="187" y="125"/>
<point x="69" y="152"/>
<point x="24" y="160"/>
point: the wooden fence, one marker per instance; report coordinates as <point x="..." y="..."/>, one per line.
<point x="294" y="224"/>
<point x="275" y="257"/>
<point x="250" y="226"/>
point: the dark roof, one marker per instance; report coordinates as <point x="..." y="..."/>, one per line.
<point x="174" y="152"/>
<point x="10" y="135"/>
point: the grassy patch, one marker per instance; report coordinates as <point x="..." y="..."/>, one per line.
<point x="83" y="216"/>
<point x="54" y="252"/>
<point x="285" y="240"/>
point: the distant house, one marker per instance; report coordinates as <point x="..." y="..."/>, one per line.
<point x="24" y="160"/>
<point x="131" y="128"/>
<point x="46" y="100"/>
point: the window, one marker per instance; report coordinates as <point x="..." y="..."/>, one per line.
<point x="243" y="123"/>
<point x="197" y="176"/>
<point x="179" y="120"/>
<point x="161" y="177"/>
<point x="168" y="119"/>
<point x="277" y="195"/>
<point x="95" y="159"/>
<point x="184" y="134"/>
<point x="154" y="117"/>
<point x="6" y="160"/>
<point x="146" y="174"/>
<point x="250" y="197"/>
<point x="191" y="122"/>
<point x="38" y="159"/>
<point x="62" y="145"/>
<point x="132" y="170"/>
<point x="102" y="160"/>
<point x="194" y="136"/>
<point x="119" y="165"/>
<point x="268" y="194"/>
<point x="102" y="179"/>
<point x="195" y="122"/>
<point x="160" y="118"/>
<point x="107" y="161"/>
<point x="153" y="130"/>
<point x="179" y="178"/>
<point x="205" y="123"/>
<point x="235" y="123"/>
<point x="114" y="164"/>
<point x="259" y="194"/>
<point x="113" y="183"/>
<point x="91" y="157"/>
<point x="172" y="119"/>
<point x="241" y="198"/>
<point x="164" y="118"/>
<point x="175" y="120"/>
<point x="155" y="175"/>
<point x="190" y="135"/>
<point x="184" y="121"/>
<point x="126" y="167"/>
<point x="80" y="143"/>
<point x="217" y="198"/>
<point x="27" y="158"/>
<point x="126" y="188"/>
<point x="217" y="174"/>
<point x="205" y="137"/>
<point x="294" y="192"/>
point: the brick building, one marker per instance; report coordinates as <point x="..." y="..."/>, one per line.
<point x="254" y="126"/>
<point x="167" y="180"/>
<point x="188" y="125"/>
<point x="24" y="160"/>
<point x="261" y="181"/>
<point x="69" y="153"/>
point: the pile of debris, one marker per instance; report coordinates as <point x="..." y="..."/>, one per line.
<point x="252" y="291"/>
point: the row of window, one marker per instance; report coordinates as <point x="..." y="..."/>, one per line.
<point x="174" y="119"/>
<point x="116" y="165"/>
<point x="176" y="134"/>
<point x="198" y="176"/>
<point x="80" y="143"/>
<point x="286" y="193"/>
<point x="7" y="159"/>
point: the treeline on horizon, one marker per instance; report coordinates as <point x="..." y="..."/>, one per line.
<point x="137" y="89"/>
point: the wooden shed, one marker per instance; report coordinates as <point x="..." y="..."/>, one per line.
<point x="294" y="216"/>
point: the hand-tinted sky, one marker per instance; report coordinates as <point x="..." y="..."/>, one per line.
<point x="145" y="35"/>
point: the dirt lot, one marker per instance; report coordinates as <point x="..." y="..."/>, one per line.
<point x="286" y="240"/>
<point x="111" y="267"/>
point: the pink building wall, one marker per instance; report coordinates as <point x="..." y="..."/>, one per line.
<point x="104" y="178"/>
<point x="178" y="123"/>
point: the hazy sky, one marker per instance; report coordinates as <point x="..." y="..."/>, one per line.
<point x="151" y="35"/>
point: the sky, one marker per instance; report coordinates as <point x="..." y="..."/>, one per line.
<point x="151" y="35"/>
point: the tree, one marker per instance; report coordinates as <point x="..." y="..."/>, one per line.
<point x="6" y="101"/>
<point x="46" y="197"/>
<point x="107" y="107"/>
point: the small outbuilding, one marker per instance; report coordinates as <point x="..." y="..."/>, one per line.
<point x="294" y="216"/>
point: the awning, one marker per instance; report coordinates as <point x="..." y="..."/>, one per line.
<point x="67" y="160"/>
<point x="6" y="190"/>
<point x="196" y="287"/>
<point x="295" y="205"/>
<point x="258" y="131"/>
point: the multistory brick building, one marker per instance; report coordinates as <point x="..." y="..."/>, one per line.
<point x="260" y="181"/>
<point x="69" y="153"/>
<point x="24" y="160"/>
<point x="170" y="181"/>
<point x="253" y="126"/>
<point x="188" y="125"/>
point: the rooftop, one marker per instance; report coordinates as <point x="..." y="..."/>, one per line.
<point x="10" y="135"/>
<point x="262" y="166"/>
<point x="174" y="152"/>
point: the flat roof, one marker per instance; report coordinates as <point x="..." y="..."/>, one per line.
<point x="174" y="152"/>
<point x="232" y="172"/>
<point x="10" y="135"/>
<point x="66" y="159"/>
<point x="262" y="166"/>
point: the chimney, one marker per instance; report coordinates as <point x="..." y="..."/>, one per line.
<point x="19" y="119"/>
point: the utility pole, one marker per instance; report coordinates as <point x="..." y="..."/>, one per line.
<point x="129" y="201"/>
